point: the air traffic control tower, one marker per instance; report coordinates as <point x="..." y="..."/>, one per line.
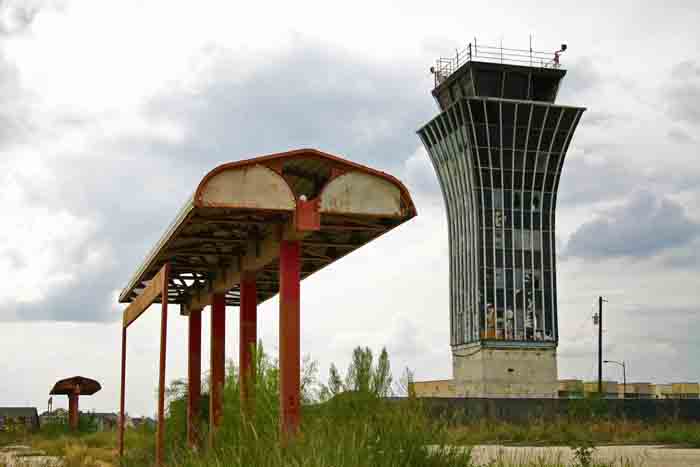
<point x="497" y="147"/>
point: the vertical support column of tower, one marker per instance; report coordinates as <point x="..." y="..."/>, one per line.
<point x="289" y="277"/>
<point x="497" y="147"/>
<point x="194" y="375"/>
<point x="248" y="338"/>
<point x="218" y="363"/>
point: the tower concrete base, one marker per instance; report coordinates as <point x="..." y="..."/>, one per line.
<point x="489" y="370"/>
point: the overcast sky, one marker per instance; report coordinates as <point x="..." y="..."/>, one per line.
<point x="110" y="113"/>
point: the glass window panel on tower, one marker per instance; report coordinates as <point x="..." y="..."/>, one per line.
<point x="498" y="199"/>
<point x="500" y="278"/>
<point x="499" y="257"/>
<point x="539" y="181"/>
<point x="488" y="275"/>
<point x="518" y="259"/>
<point x="483" y="156"/>
<point x="507" y="198"/>
<point x="499" y="239"/>
<point x="529" y="159"/>
<point x="496" y="179"/>
<point x="527" y="240"/>
<point x="517" y="200"/>
<point x="537" y="241"/>
<point x="518" y="239"/>
<point x="537" y="279"/>
<point x="495" y="154"/>
<point x="488" y="257"/>
<point x="518" y="279"/>
<point x="498" y="218"/>
<point x="536" y="205"/>
<point x="537" y="258"/>
<point x="489" y="218"/>
<point x="529" y="179"/>
<point x="539" y="326"/>
<point x="507" y="178"/>
<point x="518" y="178"/>
<point x="508" y="157"/>
<point x="509" y="284"/>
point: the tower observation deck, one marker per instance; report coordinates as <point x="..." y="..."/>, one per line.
<point x="498" y="146"/>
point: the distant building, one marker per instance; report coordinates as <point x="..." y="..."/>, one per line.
<point x="632" y="390"/>
<point x="570" y="389"/>
<point x="576" y="389"/>
<point x="140" y="421"/>
<point x="54" y="417"/>
<point x="685" y="390"/>
<point x="610" y="390"/>
<point x="19" y="418"/>
<point x="636" y="391"/>
<point x="436" y="388"/>
<point x="106" y="421"/>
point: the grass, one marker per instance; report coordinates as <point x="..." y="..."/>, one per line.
<point x="351" y="428"/>
<point x="565" y="432"/>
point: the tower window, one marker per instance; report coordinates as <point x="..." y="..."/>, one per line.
<point x="498" y="198"/>
<point x="537" y="241"/>
<point x="498" y="218"/>
<point x="499" y="239"/>
<point x="500" y="278"/>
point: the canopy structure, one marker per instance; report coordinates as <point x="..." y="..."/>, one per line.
<point x="252" y="229"/>
<point x="74" y="388"/>
<point x="84" y="386"/>
<point x="240" y="210"/>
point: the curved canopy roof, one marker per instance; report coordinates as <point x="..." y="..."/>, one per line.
<point x="84" y="386"/>
<point x="240" y="211"/>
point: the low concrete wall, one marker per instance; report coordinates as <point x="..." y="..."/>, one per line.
<point x="462" y="410"/>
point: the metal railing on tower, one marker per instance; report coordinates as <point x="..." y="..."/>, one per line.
<point x="445" y="66"/>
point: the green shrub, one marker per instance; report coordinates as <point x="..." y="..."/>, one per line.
<point x="351" y="428"/>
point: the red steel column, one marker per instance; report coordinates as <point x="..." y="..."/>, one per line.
<point x="73" y="411"/>
<point x="194" y="375"/>
<point x="121" y="395"/>
<point x="218" y="363"/>
<point x="160" y="428"/>
<point x="289" y="276"/>
<point x="248" y="338"/>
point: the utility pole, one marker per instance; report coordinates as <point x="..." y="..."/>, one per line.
<point x="600" y="346"/>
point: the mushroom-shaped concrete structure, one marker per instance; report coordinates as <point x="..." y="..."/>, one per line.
<point x="74" y="388"/>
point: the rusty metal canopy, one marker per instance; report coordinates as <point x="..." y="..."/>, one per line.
<point x="240" y="209"/>
<point x="85" y="386"/>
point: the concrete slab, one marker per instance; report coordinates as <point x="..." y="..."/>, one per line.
<point x="25" y="456"/>
<point x="638" y="455"/>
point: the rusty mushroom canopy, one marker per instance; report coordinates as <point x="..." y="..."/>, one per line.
<point x="85" y="386"/>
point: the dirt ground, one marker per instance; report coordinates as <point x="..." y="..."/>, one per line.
<point x="641" y="456"/>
